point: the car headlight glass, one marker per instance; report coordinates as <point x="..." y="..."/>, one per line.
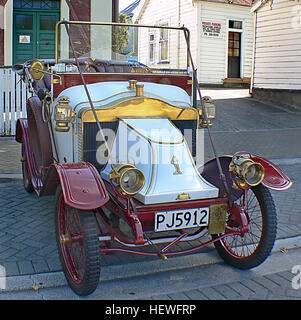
<point x="129" y="179"/>
<point x="254" y="174"/>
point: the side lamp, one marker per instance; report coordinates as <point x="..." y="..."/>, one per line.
<point x="129" y="180"/>
<point x="210" y="109"/>
<point x="246" y="173"/>
<point x="63" y="114"/>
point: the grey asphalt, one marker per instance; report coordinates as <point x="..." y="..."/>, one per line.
<point x="27" y="232"/>
<point x="194" y="277"/>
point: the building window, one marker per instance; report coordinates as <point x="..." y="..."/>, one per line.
<point x="36" y="4"/>
<point x="163" y="45"/>
<point x="233" y="24"/>
<point x="152" y="46"/>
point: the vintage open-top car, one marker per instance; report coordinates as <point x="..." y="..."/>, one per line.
<point x="117" y="141"/>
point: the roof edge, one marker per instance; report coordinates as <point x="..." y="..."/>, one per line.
<point x="233" y="2"/>
<point x="258" y="4"/>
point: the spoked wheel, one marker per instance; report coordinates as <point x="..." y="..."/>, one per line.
<point x="248" y="250"/>
<point x="78" y="244"/>
<point x="25" y="172"/>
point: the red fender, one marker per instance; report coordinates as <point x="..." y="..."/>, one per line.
<point x="22" y="136"/>
<point x="274" y="177"/>
<point x="81" y="184"/>
<point x="20" y="127"/>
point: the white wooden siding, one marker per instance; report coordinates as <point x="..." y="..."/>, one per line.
<point x="158" y="12"/>
<point x="213" y="52"/>
<point x="278" y="46"/>
<point x="210" y="55"/>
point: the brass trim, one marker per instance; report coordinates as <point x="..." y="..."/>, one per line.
<point x="175" y="162"/>
<point x="217" y="218"/>
<point x="126" y="92"/>
<point x="62" y="129"/>
<point x="239" y="166"/>
<point x="132" y="84"/>
<point x="37" y="70"/>
<point x="56" y="81"/>
<point x="183" y="196"/>
<point x="139" y="90"/>
<point x="119" y="170"/>
<point x="140" y="107"/>
<point x="151" y="183"/>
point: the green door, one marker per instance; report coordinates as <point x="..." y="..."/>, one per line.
<point x="34" y="35"/>
<point x="24" y="36"/>
<point x="46" y="34"/>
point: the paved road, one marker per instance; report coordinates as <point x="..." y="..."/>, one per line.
<point x="27" y="242"/>
<point x="276" y="279"/>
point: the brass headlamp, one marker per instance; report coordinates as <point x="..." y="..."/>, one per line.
<point x="245" y="171"/>
<point x="63" y="114"/>
<point x="128" y="178"/>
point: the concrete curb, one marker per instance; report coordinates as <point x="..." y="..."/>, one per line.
<point x="114" y="272"/>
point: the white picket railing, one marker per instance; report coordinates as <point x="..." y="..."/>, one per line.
<point x="13" y="96"/>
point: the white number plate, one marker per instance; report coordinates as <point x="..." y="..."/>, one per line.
<point x="180" y="219"/>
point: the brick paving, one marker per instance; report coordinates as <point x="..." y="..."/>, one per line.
<point x="270" y="287"/>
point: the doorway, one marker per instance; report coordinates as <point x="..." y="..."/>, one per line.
<point x="234" y="54"/>
<point x="34" y="30"/>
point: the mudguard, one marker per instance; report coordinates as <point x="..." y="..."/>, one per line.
<point x="33" y="132"/>
<point x="22" y="136"/>
<point x="274" y="177"/>
<point x="21" y="126"/>
<point x="81" y="184"/>
<point x="209" y="171"/>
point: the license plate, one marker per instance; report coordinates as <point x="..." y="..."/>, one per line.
<point x="181" y="219"/>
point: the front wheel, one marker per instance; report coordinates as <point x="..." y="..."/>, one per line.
<point x="78" y="244"/>
<point x="250" y="249"/>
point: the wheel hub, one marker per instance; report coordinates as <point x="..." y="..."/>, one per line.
<point x="238" y="218"/>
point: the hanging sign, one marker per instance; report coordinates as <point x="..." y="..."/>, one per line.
<point x="24" y="39"/>
<point x="211" y="29"/>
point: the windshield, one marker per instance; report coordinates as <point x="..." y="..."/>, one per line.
<point x="149" y="48"/>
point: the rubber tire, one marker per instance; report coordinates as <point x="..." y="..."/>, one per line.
<point x="91" y="247"/>
<point x="25" y="174"/>
<point x="268" y="234"/>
